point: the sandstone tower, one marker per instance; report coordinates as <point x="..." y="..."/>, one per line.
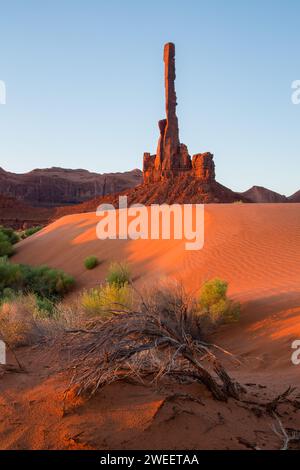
<point x="172" y="158"/>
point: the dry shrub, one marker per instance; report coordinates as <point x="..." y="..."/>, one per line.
<point x="70" y="313"/>
<point x="22" y="323"/>
<point x="162" y="338"/>
<point x="17" y="324"/>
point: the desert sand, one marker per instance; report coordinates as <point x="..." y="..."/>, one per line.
<point x="256" y="248"/>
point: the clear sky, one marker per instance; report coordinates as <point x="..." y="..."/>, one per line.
<point x="85" y="89"/>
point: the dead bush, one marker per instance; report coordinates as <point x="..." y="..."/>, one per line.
<point x="17" y="324"/>
<point x="22" y="324"/>
<point x="161" y="338"/>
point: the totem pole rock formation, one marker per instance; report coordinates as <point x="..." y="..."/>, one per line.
<point x="172" y="158"/>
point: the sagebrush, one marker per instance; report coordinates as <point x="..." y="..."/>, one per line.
<point x="214" y="304"/>
<point x="118" y="274"/>
<point x="91" y="262"/>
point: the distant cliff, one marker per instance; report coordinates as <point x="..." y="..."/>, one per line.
<point x="18" y="215"/>
<point x="57" y="186"/>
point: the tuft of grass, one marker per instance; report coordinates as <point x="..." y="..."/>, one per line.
<point x="118" y="274"/>
<point x="91" y="262"/>
<point x="214" y="303"/>
<point x="44" y="308"/>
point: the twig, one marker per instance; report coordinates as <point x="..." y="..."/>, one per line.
<point x="283" y="434"/>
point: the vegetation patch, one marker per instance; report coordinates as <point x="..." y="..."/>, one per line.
<point x="91" y="262"/>
<point x="108" y="300"/>
<point x="31" y="231"/>
<point x="160" y="338"/>
<point x="118" y="274"/>
<point x="7" y="239"/>
<point x="41" y="280"/>
<point x="214" y="304"/>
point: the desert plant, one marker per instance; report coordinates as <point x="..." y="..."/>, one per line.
<point x="6" y="248"/>
<point x="107" y="300"/>
<point x="17" y="324"/>
<point x="47" y="282"/>
<point x="45" y="308"/>
<point x="7" y="294"/>
<point x="10" y="234"/>
<point x="118" y="274"/>
<point x="41" y="280"/>
<point x="91" y="262"/>
<point x="31" y="231"/>
<point x="214" y="303"/>
<point x="70" y="313"/>
<point x="148" y="343"/>
<point x="27" y="319"/>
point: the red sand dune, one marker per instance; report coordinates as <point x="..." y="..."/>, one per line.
<point x="256" y="248"/>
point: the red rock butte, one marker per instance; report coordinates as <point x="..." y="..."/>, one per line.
<point x="172" y="158"/>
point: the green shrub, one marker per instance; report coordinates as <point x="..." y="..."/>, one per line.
<point x="91" y="262"/>
<point x="31" y="231"/>
<point x="8" y="294"/>
<point x="45" y="308"/>
<point x="107" y="300"/>
<point x="6" y="248"/>
<point x="41" y="280"/>
<point x="214" y="303"/>
<point x="11" y="277"/>
<point x="212" y="292"/>
<point x="7" y="239"/>
<point x="47" y="282"/>
<point x="118" y="274"/>
<point x="10" y="234"/>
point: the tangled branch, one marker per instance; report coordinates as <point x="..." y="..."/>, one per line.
<point x="161" y="339"/>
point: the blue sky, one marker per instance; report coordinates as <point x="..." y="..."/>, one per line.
<point x="85" y="84"/>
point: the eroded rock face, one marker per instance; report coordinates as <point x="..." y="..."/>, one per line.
<point x="18" y="215"/>
<point x="58" y="186"/>
<point x="172" y="158"/>
<point x="204" y="166"/>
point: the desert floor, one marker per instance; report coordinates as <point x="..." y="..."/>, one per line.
<point x="256" y="248"/>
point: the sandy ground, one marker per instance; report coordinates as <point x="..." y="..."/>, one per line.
<point x="256" y="248"/>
